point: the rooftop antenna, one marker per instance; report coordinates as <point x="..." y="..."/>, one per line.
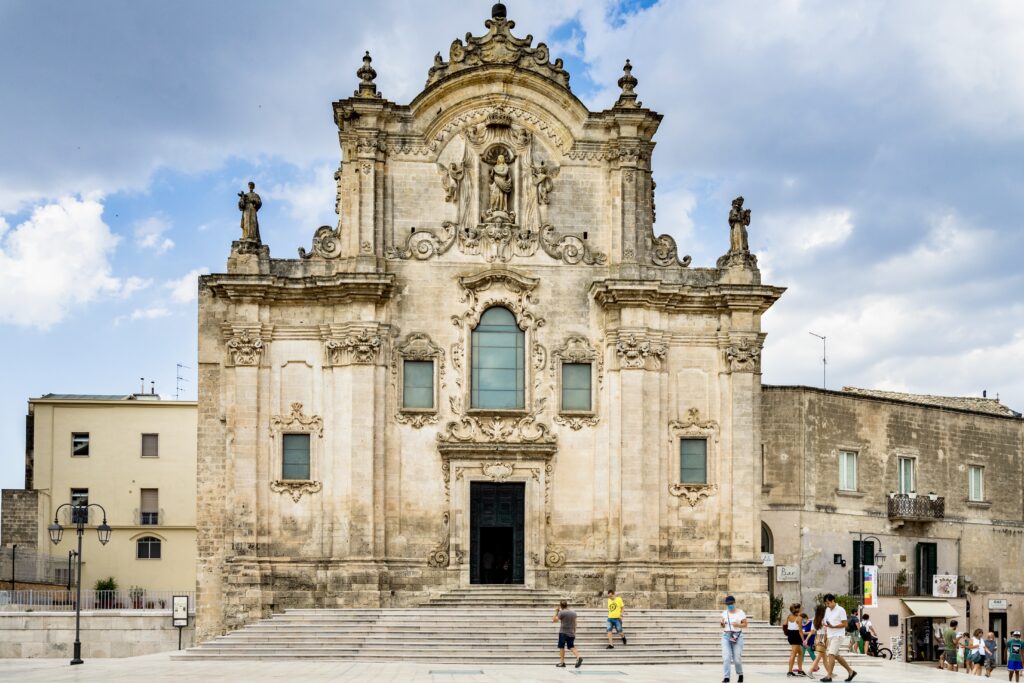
<point x="824" y="359"/>
<point x="142" y="385"/>
<point x="152" y="387"/>
<point x="178" y="380"/>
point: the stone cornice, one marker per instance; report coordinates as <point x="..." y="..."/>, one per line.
<point x="336" y="288"/>
<point x="513" y="452"/>
<point x="677" y="298"/>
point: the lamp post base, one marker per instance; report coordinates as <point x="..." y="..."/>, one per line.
<point x="78" y="653"/>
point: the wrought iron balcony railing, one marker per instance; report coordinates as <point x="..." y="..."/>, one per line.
<point x="911" y="506"/>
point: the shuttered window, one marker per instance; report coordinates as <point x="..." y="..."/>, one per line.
<point x="149" y="505"/>
<point x="150" y="445"/>
<point x="296" y="457"/>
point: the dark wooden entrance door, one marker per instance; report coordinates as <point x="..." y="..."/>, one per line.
<point x="496" y="532"/>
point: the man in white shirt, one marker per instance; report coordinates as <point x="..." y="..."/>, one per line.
<point x="835" y="629"/>
<point x="734" y="620"/>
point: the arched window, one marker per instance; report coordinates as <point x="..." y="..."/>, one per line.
<point x="147" y="548"/>
<point x="498" y="380"/>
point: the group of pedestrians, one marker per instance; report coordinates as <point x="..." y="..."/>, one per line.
<point x="975" y="653"/>
<point x="566" y="619"/>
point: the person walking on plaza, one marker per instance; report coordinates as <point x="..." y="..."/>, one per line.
<point x="734" y="620"/>
<point x="976" y="657"/>
<point x="1014" y="647"/>
<point x="808" y="636"/>
<point x="835" y="629"/>
<point x="868" y="635"/>
<point x="566" y="619"/>
<point x="949" y="637"/>
<point x="791" y="626"/>
<point x="615" y="610"/>
<point x="990" y="657"/>
<point x="820" y="639"/>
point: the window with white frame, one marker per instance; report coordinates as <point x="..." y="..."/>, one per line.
<point x="976" y="483"/>
<point x="906" y="483"/>
<point x="847" y="470"/>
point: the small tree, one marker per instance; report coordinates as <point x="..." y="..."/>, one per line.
<point x="106" y="591"/>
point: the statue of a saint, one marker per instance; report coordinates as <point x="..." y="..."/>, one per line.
<point x="543" y="179"/>
<point x="249" y="203"/>
<point x="739" y="219"/>
<point x="451" y="179"/>
<point x="500" y="177"/>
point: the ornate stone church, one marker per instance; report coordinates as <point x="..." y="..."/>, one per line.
<point x="492" y="370"/>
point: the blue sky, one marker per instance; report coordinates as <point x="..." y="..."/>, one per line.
<point x="878" y="144"/>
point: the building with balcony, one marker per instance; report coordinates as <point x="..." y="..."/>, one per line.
<point x="133" y="454"/>
<point x="920" y="486"/>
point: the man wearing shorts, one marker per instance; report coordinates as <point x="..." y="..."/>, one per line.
<point x="566" y="619"/>
<point x="835" y="628"/>
<point x="615" y="608"/>
<point x="1014" y="658"/>
<point x="949" y="640"/>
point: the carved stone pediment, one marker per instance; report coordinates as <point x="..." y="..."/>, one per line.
<point x="520" y="287"/>
<point x="296" y="488"/>
<point x="498" y="46"/>
<point x="297" y="421"/>
<point x="693" y="426"/>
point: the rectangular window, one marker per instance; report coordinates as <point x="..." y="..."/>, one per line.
<point x="906" y="475"/>
<point x="150" y="445"/>
<point x="847" y="471"/>
<point x="418" y="384"/>
<point x="576" y="393"/>
<point x="693" y="461"/>
<point x="149" y="506"/>
<point x="80" y="443"/>
<point x="976" y="483"/>
<point x="80" y="497"/>
<point x="295" y="448"/>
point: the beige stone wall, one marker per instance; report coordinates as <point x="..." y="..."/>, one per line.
<point x="384" y="519"/>
<point x="106" y="633"/>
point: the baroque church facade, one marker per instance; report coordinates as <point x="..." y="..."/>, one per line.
<point x="491" y="370"/>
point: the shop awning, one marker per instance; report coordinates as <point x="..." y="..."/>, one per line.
<point x="930" y="608"/>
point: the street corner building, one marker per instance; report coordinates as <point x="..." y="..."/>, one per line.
<point x="491" y="370"/>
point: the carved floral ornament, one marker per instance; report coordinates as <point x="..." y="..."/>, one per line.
<point x="469" y="429"/>
<point x="744" y="356"/>
<point x="518" y="296"/>
<point x="693" y="427"/>
<point x="245" y="348"/>
<point x="296" y="488"/>
<point x="635" y="350"/>
<point x="360" y="347"/>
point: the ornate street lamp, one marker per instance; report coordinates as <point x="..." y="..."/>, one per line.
<point x="79" y="515"/>
<point x="878" y="559"/>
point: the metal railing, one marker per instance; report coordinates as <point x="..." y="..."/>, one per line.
<point x="912" y="506"/>
<point x="64" y="601"/>
<point x="150" y="518"/>
<point x="31" y="567"/>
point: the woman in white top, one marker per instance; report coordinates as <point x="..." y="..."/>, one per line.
<point x="734" y="620"/>
<point x="792" y="627"/>
<point x="978" y="649"/>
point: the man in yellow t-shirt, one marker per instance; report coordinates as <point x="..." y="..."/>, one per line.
<point x="615" y="608"/>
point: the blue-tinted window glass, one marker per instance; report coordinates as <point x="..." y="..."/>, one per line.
<point x="418" y="381"/>
<point x="693" y="460"/>
<point x="296" y="457"/>
<point x="498" y="363"/>
<point x="576" y="386"/>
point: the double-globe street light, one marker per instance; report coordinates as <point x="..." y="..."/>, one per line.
<point x="79" y="516"/>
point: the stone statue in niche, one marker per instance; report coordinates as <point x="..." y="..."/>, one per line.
<point x="739" y="219"/>
<point x="249" y="203"/>
<point x="500" y="185"/>
<point x="451" y="178"/>
<point x="543" y="177"/>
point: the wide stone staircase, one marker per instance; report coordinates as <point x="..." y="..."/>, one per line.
<point x="487" y="625"/>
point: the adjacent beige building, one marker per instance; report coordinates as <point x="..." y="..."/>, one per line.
<point x="136" y="456"/>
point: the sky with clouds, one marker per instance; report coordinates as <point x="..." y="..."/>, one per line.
<point x="879" y="145"/>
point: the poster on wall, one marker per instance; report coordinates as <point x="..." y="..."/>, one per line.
<point x="870" y="586"/>
<point x="944" y="586"/>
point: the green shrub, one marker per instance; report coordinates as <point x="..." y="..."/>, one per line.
<point x="107" y="584"/>
<point x="776" y="609"/>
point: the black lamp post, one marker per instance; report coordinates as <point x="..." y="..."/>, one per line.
<point x="79" y="516"/>
<point x="71" y="554"/>
<point x="878" y="559"/>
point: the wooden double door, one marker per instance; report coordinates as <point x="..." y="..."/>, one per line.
<point x="496" y="532"/>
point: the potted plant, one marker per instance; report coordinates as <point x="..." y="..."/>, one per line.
<point x="106" y="592"/>
<point x="901" y="582"/>
<point x="136" y="594"/>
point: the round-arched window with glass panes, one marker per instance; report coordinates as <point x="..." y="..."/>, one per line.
<point x="147" y="548"/>
<point x="498" y="362"/>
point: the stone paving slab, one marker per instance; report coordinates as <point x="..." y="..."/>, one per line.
<point x="158" y="668"/>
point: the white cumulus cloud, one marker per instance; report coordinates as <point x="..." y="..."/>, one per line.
<point x="57" y="259"/>
<point x="150" y="313"/>
<point x="185" y="288"/>
<point x="149" y="234"/>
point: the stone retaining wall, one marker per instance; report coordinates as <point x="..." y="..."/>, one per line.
<point x="107" y="633"/>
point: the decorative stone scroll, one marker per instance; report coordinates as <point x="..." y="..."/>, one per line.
<point x="744" y="356"/>
<point x="498" y="46"/>
<point x="693" y="493"/>
<point x="496" y="428"/>
<point x="440" y="556"/>
<point x="519" y="286"/>
<point x="554" y="556"/>
<point x="296" y="420"/>
<point x="664" y="252"/>
<point x="634" y="352"/>
<point x="359" y="347"/>
<point x="296" y="488"/>
<point x="244" y="349"/>
<point x="498" y="242"/>
<point x="326" y="244"/>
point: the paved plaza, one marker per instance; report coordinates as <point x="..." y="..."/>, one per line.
<point x="153" y="668"/>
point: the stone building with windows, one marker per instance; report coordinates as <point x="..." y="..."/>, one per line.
<point x="919" y="485"/>
<point x="491" y="370"/>
<point x="133" y="454"/>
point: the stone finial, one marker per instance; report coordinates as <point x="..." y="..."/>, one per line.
<point x="627" y="83"/>
<point x="498" y="11"/>
<point x="366" y="73"/>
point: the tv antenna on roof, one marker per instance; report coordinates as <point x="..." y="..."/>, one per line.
<point x="824" y="358"/>
<point x="178" y="380"/>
